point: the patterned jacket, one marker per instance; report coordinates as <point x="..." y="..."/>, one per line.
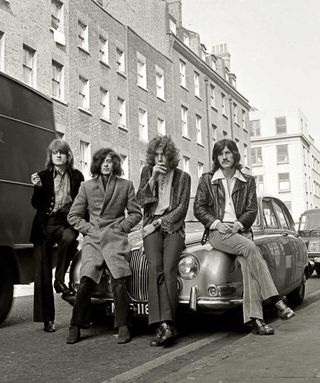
<point x="173" y="218"/>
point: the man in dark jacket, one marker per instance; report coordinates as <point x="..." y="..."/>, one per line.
<point x="55" y="188"/>
<point x="226" y="204"/>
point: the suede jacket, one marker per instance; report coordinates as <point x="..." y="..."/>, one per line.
<point x="209" y="201"/>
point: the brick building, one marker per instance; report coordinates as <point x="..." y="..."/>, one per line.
<point x="119" y="72"/>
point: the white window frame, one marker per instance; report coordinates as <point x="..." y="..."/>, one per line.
<point x="256" y="156"/>
<point x="284" y="184"/>
<point x="235" y="113"/>
<point x="122" y="113"/>
<point x="29" y="65"/>
<point x="200" y="169"/>
<point x="125" y="165"/>
<point x="57" y="80"/>
<point x="186" y="39"/>
<point x="172" y="26"/>
<point x="121" y="67"/>
<point x="161" y="126"/>
<point x="244" y="120"/>
<point x="196" y="79"/>
<point x="214" y="132"/>
<point x="143" y="124"/>
<point x="184" y="121"/>
<point x="104" y="49"/>
<point x="83" y="40"/>
<point x="141" y="71"/>
<point x="255" y="128"/>
<point x="281" y="126"/>
<point x="284" y="154"/>
<point x="85" y="156"/>
<point x="213" y="101"/>
<point x="186" y="164"/>
<point x="104" y="104"/>
<point x="199" y="129"/>
<point x="159" y="82"/>
<point x="57" y="15"/>
<point x="84" y="93"/>
<point x="2" y="50"/>
<point x="223" y="104"/>
<point x="182" y="68"/>
<point x="259" y="182"/>
<point x="245" y="155"/>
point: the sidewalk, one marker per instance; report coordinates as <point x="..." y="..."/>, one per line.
<point x="291" y="355"/>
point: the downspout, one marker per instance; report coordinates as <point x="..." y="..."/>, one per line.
<point x="206" y="83"/>
<point x="231" y="118"/>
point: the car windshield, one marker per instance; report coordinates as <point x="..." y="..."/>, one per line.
<point x="310" y="221"/>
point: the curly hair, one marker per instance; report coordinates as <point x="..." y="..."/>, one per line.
<point x="169" y="150"/>
<point x="61" y="146"/>
<point x="217" y="150"/>
<point x="99" y="156"/>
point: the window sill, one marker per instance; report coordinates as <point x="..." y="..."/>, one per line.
<point x="225" y="116"/>
<point x="143" y="88"/>
<point x="186" y="137"/>
<point x="284" y="191"/>
<point x="84" y="50"/>
<point x="256" y="165"/>
<point x="245" y="130"/>
<point x="183" y="87"/>
<point x="104" y="64"/>
<point x="237" y="123"/>
<point x="200" y="144"/>
<point x="198" y="97"/>
<point x="59" y="100"/>
<point x="282" y="162"/>
<point x="214" y="108"/>
<point x="123" y="127"/>
<point x="161" y="99"/>
<point x="105" y="120"/>
<point x="86" y="111"/>
<point x="122" y="74"/>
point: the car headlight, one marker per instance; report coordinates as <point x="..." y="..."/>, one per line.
<point x="189" y="267"/>
<point x="314" y="246"/>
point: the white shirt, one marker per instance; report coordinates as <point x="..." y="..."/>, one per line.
<point x="164" y="191"/>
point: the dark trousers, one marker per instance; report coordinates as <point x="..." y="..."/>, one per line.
<point x="57" y="231"/>
<point x="163" y="253"/>
<point x="81" y="314"/>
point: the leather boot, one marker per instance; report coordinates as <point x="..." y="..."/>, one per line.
<point x="74" y="334"/>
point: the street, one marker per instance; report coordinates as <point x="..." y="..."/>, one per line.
<point x="28" y="354"/>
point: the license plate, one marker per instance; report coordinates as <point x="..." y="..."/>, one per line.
<point x="139" y="309"/>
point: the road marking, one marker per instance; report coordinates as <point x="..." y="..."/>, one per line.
<point x="140" y="370"/>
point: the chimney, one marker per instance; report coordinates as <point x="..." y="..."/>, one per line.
<point x="175" y="10"/>
<point x="221" y="50"/>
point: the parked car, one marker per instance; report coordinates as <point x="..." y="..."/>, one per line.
<point x="210" y="280"/>
<point x="309" y="229"/>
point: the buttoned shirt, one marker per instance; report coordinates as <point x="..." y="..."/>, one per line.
<point x="62" y="192"/>
<point x="164" y="191"/>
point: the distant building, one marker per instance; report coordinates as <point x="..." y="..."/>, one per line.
<point x="285" y="160"/>
<point x="121" y="71"/>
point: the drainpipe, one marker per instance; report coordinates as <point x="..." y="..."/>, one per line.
<point x="231" y="118"/>
<point x="206" y="83"/>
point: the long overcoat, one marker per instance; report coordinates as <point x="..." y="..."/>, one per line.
<point x="113" y="212"/>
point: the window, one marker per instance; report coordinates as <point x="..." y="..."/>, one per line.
<point x="143" y="125"/>
<point x="85" y="159"/>
<point x="104" y="104"/>
<point x="2" y="45"/>
<point x="282" y="154"/>
<point x="57" y="15"/>
<point x="199" y="130"/>
<point x="83" y="36"/>
<point x="244" y="120"/>
<point x="255" y="130"/>
<point x="182" y="74"/>
<point x="122" y="117"/>
<point x="269" y="217"/>
<point x="200" y="169"/>
<point x="29" y="65"/>
<point x="213" y="63"/>
<point x="284" y="223"/>
<point x="223" y="104"/>
<point x="235" y="113"/>
<point x="284" y="182"/>
<point x="159" y="82"/>
<point x="120" y="60"/>
<point x="213" y="96"/>
<point x="57" y="81"/>
<point x="84" y="93"/>
<point x="161" y="124"/>
<point x="103" y="50"/>
<point x="186" y="39"/>
<point x="245" y="155"/>
<point x="259" y="183"/>
<point x="172" y="26"/>
<point x="141" y="71"/>
<point x="214" y="133"/>
<point x="256" y="156"/>
<point x="184" y="121"/>
<point x="196" y="84"/>
<point x="281" y="125"/>
<point x="186" y="164"/>
<point x="125" y="166"/>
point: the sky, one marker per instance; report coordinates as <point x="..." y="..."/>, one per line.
<point x="274" y="46"/>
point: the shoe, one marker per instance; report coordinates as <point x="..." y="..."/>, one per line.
<point x="284" y="312"/>
<point x="74" y="334"/>
<point x="155" y="341"/>
<point x="61" y="287"/>
<point x="123" y="335"/>
<point x="260" y="328"/>
<point x="49" y="326"/>
<point x="166" y="333"/>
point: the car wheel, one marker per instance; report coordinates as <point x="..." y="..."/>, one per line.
<point x="317" y="268"/>
<point x="6" y="288"/>
<point x="296" y="296"/>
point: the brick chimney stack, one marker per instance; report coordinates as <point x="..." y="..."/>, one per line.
<point x="175" y="10"/>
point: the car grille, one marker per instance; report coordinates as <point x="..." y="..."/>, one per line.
<point x="138" y="282"/>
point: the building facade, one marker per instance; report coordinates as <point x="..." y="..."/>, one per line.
<point x="285" y="160"/>
<point x="120" y="72"/>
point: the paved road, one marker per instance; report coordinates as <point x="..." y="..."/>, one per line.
<point x="28" y="354"/>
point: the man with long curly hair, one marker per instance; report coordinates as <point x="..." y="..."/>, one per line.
<point x="107" y="197"/>
<point x="226" y="204"/>
<point x="54" y="190"/>
<point x="164" y="193"/>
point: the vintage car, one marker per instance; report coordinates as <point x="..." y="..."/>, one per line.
<point x="309" y="229"/>
<point x="209" y="280"/>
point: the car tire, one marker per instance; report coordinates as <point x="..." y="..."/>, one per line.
<point x="296" y="296"/>
<point x="317" y="268"/>
<point x="6" y="288"/>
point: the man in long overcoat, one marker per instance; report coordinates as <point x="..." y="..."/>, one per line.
<point x="106" y="197"/>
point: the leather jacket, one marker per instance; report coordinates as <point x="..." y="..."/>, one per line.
<point x="209" y="201"/>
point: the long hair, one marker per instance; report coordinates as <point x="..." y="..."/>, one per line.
<point x="169" y="150"/>
<point x="217" y="150"/>
<point x="64" y="148"/>
<point x="99" y="156"/>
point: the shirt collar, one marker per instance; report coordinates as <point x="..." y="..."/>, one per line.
<point x="219" y="175"/>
